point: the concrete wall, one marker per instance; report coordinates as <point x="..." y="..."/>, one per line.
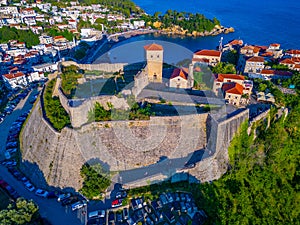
<point x="106" y="67"/>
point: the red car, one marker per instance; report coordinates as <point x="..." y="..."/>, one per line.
<point x="3" y="184"/>
<point x="117" y="203"/>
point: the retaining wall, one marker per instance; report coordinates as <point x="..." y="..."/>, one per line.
<point x="106" y="67"/>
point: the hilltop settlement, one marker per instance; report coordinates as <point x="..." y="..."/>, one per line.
<point x="54" y="93"/>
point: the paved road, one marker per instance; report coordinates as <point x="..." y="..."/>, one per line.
<point x="49" y="208"/>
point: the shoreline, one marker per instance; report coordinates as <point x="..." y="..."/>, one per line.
<point x="114" y="39"/>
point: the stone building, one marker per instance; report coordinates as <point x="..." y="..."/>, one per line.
<point x="232" y="87"/>
<point x="254" y="64"/>
<point x="154" y="57"/>
<point x="179" y="78"/>
<point x="209" y="57"/>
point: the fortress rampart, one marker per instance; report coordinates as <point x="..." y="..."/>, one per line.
<point x="53" y="158"/>
<point x="105" y="67"/>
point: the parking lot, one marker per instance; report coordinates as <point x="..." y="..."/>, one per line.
<point x="170" y="208"/>
<point x="11" y="178"/>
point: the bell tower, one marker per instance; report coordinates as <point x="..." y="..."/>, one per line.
<point x="154" y="57"/>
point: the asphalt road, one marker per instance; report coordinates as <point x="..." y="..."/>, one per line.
<point x="49" y="208"/>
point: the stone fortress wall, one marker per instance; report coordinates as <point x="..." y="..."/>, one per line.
<point x="105" y="67"/>
<point x="118" y="145"/>
<point x="53" y="158"/>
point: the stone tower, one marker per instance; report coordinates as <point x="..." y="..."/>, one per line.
<point x="154" y="57"/>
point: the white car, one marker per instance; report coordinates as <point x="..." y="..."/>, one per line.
<point x="78" y="205"/>
<point x="29" y="186"/>
<point x="41" y="193"/>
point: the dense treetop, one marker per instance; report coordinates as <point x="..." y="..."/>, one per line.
<point x="27" y="36"/>
<point x="22" y="212"/>
<point x="187" y="21"/>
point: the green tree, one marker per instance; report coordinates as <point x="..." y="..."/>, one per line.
<point x="56" y="114"/>
<point x="22" y="212"/>
<point x="224" y="68"/>
<point x="96" y="180"/>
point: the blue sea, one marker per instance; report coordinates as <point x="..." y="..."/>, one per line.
<point x="258" y="22"/>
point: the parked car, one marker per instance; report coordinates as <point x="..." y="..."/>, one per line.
<point x="3" y="184"/>
<point x="78" y="205"/>
<point x="29" y="186"/>
<point x="24" y="179"/>
<point x="11" y="145"/>
<point x="63" y="196"/>
<point x="125" y="213"/>
<point x="69" y="201"/>
<point x="116" y="203"/>
<point x="96" y="214"/>
<point x="12" y="150"/>
<point x="10" y="163"/>
<point x="111" y="216"/>
<point x="41" y="193"/>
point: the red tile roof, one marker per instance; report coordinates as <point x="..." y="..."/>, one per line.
<point x="268" y="72"/>
<point x="208" y="53"/>
<point x="275" y="45"/>
<point x="181" y="72"/>
<point x="59" y="37"/>
<point x="267" y="54"/>
<point x="233" y="88"/>
<point x="236" y="42"/>
<point x="293" y="52"/>
<point x="295" y="59"/>
<point x="256" y="59"/>
<point x="287" y="61"/>
<point x="153" y="47"/>
<point x="221" y="77"/>
<point x="200" y="60"/>
<point x="15" y="75"/>
<point x="297" y="66"/>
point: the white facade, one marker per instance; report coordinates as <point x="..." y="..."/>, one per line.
<point x="46" y="67"/>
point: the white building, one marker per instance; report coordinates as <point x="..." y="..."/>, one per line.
<point x="138" y="24"/>
<point x="46" y="39"/>
<point x="46" y="67"/>
<point x="15" y="80"/>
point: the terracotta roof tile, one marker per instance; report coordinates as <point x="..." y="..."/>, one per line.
<point x="209" y="53"/>
<point x="268" y="72"/>
<point x="181" y="72"/>
<point x="287" y="61"/>
<point x="236" y="42"/>
<point x="221" y="77"/>
<point x="233" y="88"/>
<point x="256" y="59"/>
<point x="275" y="45"/>
<point x="14" y="75"/>
<point x="293" y="52"/>
<point x="153" y="47"/>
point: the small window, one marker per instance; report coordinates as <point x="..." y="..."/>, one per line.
<point x="157" y="56"/>
<point x="151" y="56"/>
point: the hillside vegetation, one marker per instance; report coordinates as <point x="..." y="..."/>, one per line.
<point x="27" y="36"/>
<point x="262" y="186"/>
<point x="56" y="114"/>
